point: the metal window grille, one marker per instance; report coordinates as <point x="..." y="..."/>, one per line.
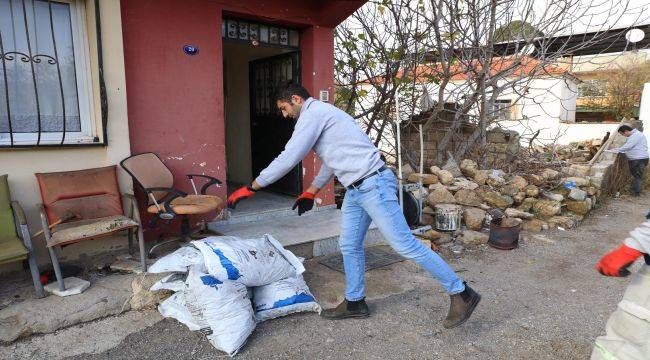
<point x="39" y="98"/>
<point x="501" y="109"/>
<point x="265" y="77"/>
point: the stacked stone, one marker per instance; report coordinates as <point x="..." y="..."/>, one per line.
<point x="547" y="199"/>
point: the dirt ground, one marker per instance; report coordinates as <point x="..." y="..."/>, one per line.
<point x="543" y="300"/>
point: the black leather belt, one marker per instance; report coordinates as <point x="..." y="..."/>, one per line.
<point x="360" y="181"/>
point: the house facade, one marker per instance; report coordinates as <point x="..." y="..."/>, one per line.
<point x="532" y="96"/>
<point x="554" y="104"/>
<point x="87" y="83"/>
<point x="588" y="101"/>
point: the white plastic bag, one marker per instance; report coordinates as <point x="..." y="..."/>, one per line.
<point x="283" y="297"/>
<point x="178" y="261"/>
<point x="174" y="307"/>
<point x="174" y="282"/>
<point x="252" y="262"/>
<point x="221" y="309"/>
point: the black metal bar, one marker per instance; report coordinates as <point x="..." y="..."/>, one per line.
<point x="102" y="85"/>
<point x="31" y="63"/>
<point x="58" y="68"/>
<point x="6" y="80"/>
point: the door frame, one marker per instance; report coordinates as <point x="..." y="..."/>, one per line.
<point x="297" y="67"/>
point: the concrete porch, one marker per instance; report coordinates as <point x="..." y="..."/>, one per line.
<point x="313" y="234"/>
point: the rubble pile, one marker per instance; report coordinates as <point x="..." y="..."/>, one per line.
<point x="573" y="153"/>
<point x="548" y="198"/>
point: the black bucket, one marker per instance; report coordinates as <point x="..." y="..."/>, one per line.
<point x="504" y="235"/>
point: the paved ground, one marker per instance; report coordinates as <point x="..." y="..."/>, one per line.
<point x="541" y="301"/>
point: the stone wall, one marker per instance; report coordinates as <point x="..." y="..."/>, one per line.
<point x="502" y="145"/>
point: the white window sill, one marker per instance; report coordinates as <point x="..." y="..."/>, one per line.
<point x="47" y="139"/>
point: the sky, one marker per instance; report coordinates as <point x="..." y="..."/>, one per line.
<point x="594" y="15"/>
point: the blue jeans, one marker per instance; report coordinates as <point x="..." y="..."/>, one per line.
<point x="376" y="200"/>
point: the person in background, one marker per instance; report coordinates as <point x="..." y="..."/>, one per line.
<point x="636" y="151"/>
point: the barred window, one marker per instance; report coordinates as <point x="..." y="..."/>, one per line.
<point x="45" y="87"/>
<point x="501" y="110"/>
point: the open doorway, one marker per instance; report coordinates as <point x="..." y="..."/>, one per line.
<point x="255" y="130"/>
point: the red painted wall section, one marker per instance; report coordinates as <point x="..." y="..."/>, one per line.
<point x="175" y="101"/>
<point x="317" y="51"/>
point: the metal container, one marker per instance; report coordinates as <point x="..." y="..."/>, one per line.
<point x="411" y="208"/>
<point x="448" y="217"/>
<point x="505" y="235"/>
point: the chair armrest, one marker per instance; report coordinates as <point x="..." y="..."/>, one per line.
<point x="133" y="202"/>
<point x="204" y="188"/>
<point x="44" y="223"/>
<point x="135" y="212"/>
<point x="19" y="214"/>
<point x="166" y="212"/>
<point x="129" y="196"/>
<point x="20" y="223"/>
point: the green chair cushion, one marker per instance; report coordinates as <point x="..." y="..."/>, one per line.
<point x="11" y="251"/>
<point x="11" y="247"/>
<point x="7" y="226"/>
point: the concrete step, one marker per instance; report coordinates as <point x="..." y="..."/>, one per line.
<point x="313" y="234"/>
<point x="236" y="217"/>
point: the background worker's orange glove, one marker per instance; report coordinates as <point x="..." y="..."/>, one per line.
<point x="240" y="194"/>
<point x="304" y="202"/>
<point x="616" y="262"/>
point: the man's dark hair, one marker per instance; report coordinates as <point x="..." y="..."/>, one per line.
<point x="624" y="128"/>
<point x="284" y="91"/>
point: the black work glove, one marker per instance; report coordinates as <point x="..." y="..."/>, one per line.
<point x="304" y="202"/>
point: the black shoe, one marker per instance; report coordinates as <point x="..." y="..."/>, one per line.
<point x="347" y="309"/>
<point x="461" y="307"/>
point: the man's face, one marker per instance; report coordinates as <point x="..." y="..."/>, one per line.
<point x="291" y="109"/>
<point x="626" y="133"/>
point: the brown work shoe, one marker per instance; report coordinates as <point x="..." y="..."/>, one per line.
<point x="461" y="307"/>
<point x="347" y="309"/>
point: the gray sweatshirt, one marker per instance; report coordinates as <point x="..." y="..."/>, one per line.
<point x="636" y="146"/>
<point x="346" y="151"/>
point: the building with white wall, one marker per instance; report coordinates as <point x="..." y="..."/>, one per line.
<point x="534" y="97"/>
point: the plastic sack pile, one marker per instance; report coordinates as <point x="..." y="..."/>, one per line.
<point x="223" y="286"/>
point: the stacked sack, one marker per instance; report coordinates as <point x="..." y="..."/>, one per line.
<point x="224" y="285"/>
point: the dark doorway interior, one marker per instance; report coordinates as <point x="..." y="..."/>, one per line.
<point x="269" y="130"/>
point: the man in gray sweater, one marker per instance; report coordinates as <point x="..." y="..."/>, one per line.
<point x="636" y="151"/>
<point x="348" y="153"/>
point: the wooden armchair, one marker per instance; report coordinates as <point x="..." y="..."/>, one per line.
<point x="94" y="199"/>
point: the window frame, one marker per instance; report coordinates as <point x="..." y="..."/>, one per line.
<point x="89" y="133"/>
<point x="596" y="88"/>
<point x="496" y="110"/>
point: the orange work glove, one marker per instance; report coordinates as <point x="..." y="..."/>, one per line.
<point x="616" y="262"/>
<point x="242" y="193"/>
<point x="304" y="202"/>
